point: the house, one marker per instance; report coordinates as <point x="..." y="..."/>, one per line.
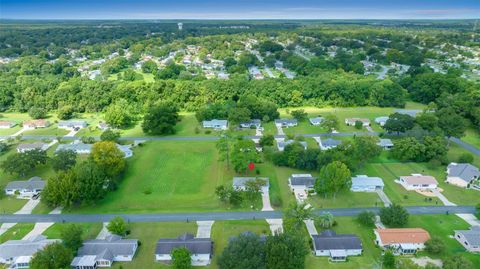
<point x="81" y="148"/>
<point x="381" y="120"/>
<point x="462" y="174"/>
<point x="18" y="253"/>
<point x="301" y="182"/>
<point x="24" y="147"/>
<point x="7" y="124"/>
<point x="410" y="112"/>
<point x="103" y="126"/>
<point x="34" y="124"/>
<point x="251" y="124"/>
<point x="200" y="248"/>
<point x="470" y="239"/>
<point x="103" y="252"/>
<point x="385" y="143"/>
<point x="337" y="246"/>
<point x="72" y="124"/>
<point x="402" y="241"/>
<point x="352" y="121"/>
<point x="363" y="183"/>
<point x="418" y="182"/>
<point x="316" y="121"/>
<point x="328" y="143"/>
<point x="282" y="144"/>
<point x="239" y="183"/>
<point x="25" y="189"/>
<point x="215" y="124"/>
<point x="286" y="122"/>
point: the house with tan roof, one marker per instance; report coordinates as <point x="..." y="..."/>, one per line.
<point x="418" y="182"/>
<point x="402" y="241"/>
<point x="34" y="124"/>
<point x="352" y="121"/>
<point x="7" y="124"/>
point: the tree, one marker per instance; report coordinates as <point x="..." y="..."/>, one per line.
<point x="267" y="140"/>
<point x="181" y="258"/>
<point x="53" y="256"/>
<point x="399" y="123"/>
<point x="238" y="115"/>
<point x="222" y="193"/>
<point x="66" y="112"/>
<point x="64" y="160"/>
<point x="246" y="251"/>
<point x="224" y="147"/>
<point x="428" y="121"/>
<point x="235" y="198"/>
<point x="294" y="216"/>
<point x="407" y="149"/>
<point x="452" y="124"/>
<point x="92" y="181"/>
<point x="107" y="156"/>
<point x="61" y="190"/>
<point x="325" y="220"/>
<point x="366" y="218"/>
<point x="358" y="125"/>
<point x="118" y="114"/>
<point x="118" y="226"/>
<point x="394" y="215"/>
<point x="285" y="250"/>
<point x="110" y="135"/>
<point x="465" y="158"/>
<point x="71" y="236"/>
<point x="299" y="114"/>
<point x="337" y="176"/>
<point x="243" y="153"/>
<point x="3" y="147"/>
<point x="37" y="112"/>
<point x="330" y="122"/>
<point x="457" y="262"/>
<point x="388" y="259"/>
<point x="22" y="163"/>
<point x="160" y="119"/>
<point x="149" y="67"/>
<point x="434" y="245"/>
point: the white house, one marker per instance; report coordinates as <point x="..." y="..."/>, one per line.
<point x="418" y="182"/>
<point x="25" y="189"/>
<point x="462" y="174"/>
<point x="72" y="124"/>
<point x="81" y="148"/>
<point x="470" y="239"/>
<point x="255" y="123"/>
<point x="103" y="126"/>
<point x="24" y="147"/>
<point x="200" y="248"/>
<point x="18" y="253"/>
<point x="316" y="121"/>
<point x="385" y="143"/>
<point x="286" y="122"/>
<point x="301" y="182"/>
<point x="282" y="144"/>
<point x="215" y="124"/>
<point x="352" y="121"/>
<point x="328" y="143"/>
<point x="34" y="124"/>
<point x="240" y="183"/>
<point x="103" y="252"/>
<point x="363" y="183"/>
<point x="402" y="241"/>
<point x="381" y="120"/>
<point x="336" y="246"/>
<point x="7" y="124"/>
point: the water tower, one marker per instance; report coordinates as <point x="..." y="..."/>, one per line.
<point x="180" y="26"/>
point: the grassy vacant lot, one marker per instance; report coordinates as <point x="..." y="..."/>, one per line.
<point x="168" y="176"/>
<point x="369" y="258"/>
<point x="148" y="234"/>
<point x="17" y="232"/>
<point x="442" y="226"/>
<point x="346" y="199"/>
<point x="90" y="230"/>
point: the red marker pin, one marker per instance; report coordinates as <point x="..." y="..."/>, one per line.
<point x="251" y="166"/>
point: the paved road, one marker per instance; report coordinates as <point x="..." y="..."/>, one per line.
<point x="169" y="217"/>
<point x="466" y="146"/>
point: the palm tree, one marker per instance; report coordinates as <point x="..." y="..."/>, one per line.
<point x="325" y="220"/>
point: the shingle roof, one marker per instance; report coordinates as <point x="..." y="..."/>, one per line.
<point x="35" y="145"/>
<point x="286" y="121"/>
<point x="410" y="112"/>
<point x="75" y="147"/>
<point x="194" y="245"/>
<point x="329" y="142"/>
<point x="241" y="181"/>
<point x="403" y="235"/>
<point x="71" y="123"/>
<point x="419" y="179"/>
<point x="302" y="180"/>
<point x="16" y="248"/>
<point x="34" y="183"/>
<point x="316" y="120"/>
<point x="472" y="236"/>
<point x="385" y="142"/>
<point x="464" y="171"/>
<point x="366" y="181"/>
<point x="329" y="240"/>
<point x="109" y="247"/>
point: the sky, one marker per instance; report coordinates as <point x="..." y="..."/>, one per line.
<point x="239" y="9"/>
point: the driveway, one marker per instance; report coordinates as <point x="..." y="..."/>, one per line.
<point x="470" y="219"/>
<point x="279" y="130"/>
<point x="104" y="232"/>
<point x="311" y="227"/>
<point x="41" y="227"/>
<point x="204" y="228"/>
<point x="276" y="225"/>
<point x="384" y="197"/>
<point x="25" y="210"/>
<point x="266" y="202"/>
<point x="442" y="198"/>
<point x="72" y="133"/>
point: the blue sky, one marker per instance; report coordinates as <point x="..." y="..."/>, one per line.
<point x="239" y="9"/>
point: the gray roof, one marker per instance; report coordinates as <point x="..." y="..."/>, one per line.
<point x="316" y="120"/>
<point x="410" y="112"/>
<point x="72" y="123"/>
<point x="34" y="183"/>
<point x="464" y="171"/>
<point x="194" y="245"/>
<point x="329" y="240"/>
<point x="366" y="181"/>
<point x="381" y="119"/>
<point x="27" y="146"/>
<point x="215" y="122"/>
<point x="472" y="236"/>
<point x="286" y="121"/>
<point x="16" y="248"/>
<point x="385" y="142"/>
<point x="75" y="147"/>
<point x="240" y="181"/>
<point x="106" y="249"/>
<point x="252" y="122"/>
<point x="329" y="142"/>
<point x="283" y="144"/>
<point x="303" y="180"/>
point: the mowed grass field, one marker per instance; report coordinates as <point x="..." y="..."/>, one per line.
<point x="165" y="176"/>
<point x="90" y="230"/>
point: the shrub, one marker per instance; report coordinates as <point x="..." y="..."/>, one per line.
<point x="465" y="158"/>
<point x="433" y="163"/>
<point x="208" y="131"/>
<point x="366" y="218"/>
<point x="434" y="245"/>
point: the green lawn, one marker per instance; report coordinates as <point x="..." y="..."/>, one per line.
<point x="166" y="176"/>
<point x="148" y="234"/>
<point x="346" y="199"/>
<point x="10" y="205"/>
<point x="371" y="254"/>
<point x="472" y="137"/>
<point x="90" y="230"/>
<point x="17" y="232"/>
<point x="51" y="130"/>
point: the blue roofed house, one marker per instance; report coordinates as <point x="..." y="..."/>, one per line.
<point x="316" y="121"/>
<point x="329" y="143"/>
<point x="363" y="183"/>
<point x="215" y="124"/>
<point x="470" y="239"/>
<point x="381" y="120"/>
<point x="385" y="143"/>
